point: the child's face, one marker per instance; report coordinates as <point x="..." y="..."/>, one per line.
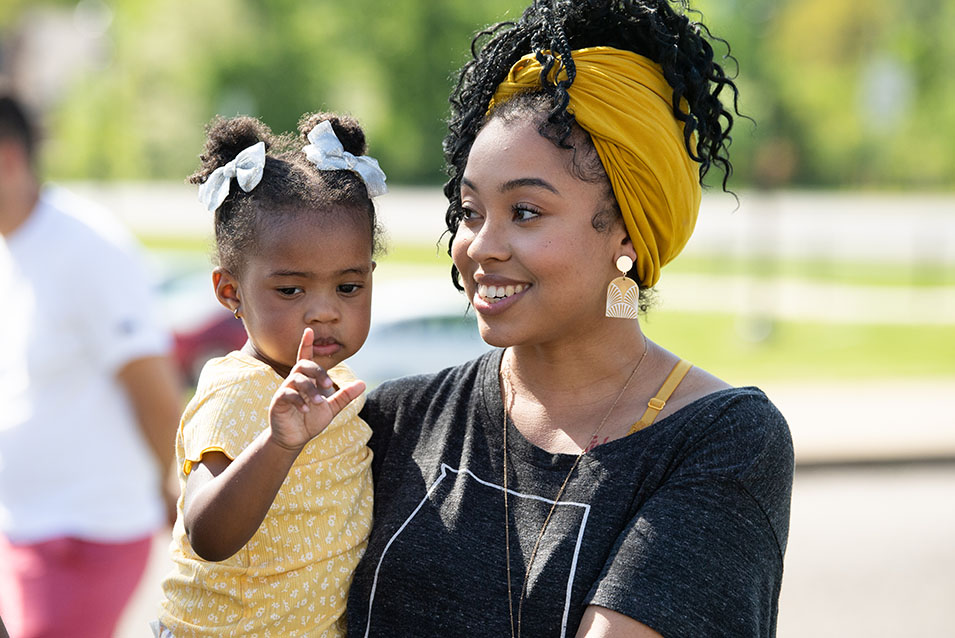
<point x="307" y="274"/>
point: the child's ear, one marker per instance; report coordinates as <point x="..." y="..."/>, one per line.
<point x="227" y="290"/>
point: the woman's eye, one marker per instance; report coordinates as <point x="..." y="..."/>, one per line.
<point x="523" y="213"/>
<point x="468" y="214"/>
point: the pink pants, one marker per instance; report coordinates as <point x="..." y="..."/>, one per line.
<point x="67" y="586"/>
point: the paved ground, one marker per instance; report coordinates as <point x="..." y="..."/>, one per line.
<point x="871" y="554"/>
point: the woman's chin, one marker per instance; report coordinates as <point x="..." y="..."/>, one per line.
<point x="493" y="336"/>
<point x="500" y="336"/>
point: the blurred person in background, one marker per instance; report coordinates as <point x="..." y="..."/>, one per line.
<point x="580" y="479"/>
<point x="89" y="404"/>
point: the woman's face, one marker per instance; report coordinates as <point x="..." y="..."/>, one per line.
<point x="532" y="264"/>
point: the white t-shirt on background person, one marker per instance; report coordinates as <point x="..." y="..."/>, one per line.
<point x="76" y="305"/>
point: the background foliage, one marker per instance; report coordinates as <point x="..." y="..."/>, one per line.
<point x="845" y="93"/>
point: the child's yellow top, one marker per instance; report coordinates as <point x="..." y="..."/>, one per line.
<point x="291" y="579"/>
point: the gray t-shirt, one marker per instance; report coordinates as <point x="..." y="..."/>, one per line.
<point x="681" y="526"/>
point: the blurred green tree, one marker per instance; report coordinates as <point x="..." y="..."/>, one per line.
<point x="174" y="64"/>
<point x="844" y="93"/>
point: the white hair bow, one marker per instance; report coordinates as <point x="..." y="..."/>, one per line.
<point x="326" y="152"/>
<point x="246" y="168"/>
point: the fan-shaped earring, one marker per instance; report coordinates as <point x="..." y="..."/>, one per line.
<point x="623" y="292"/>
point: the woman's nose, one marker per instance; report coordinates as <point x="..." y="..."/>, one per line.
<point x="488" y="241"/>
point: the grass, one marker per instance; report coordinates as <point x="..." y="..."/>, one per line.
<point x="821" y="270"/>
<point x="185" y="243"/>
<point x="744" y="350"/>
<point x="830" y="271"/>
<point x="813" y="270"/>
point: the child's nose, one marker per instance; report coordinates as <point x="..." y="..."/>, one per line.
<point x="322" y="311"/>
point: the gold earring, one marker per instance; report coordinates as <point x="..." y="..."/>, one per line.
<point x="623" y="293"/>
<point x="235" y="313"/>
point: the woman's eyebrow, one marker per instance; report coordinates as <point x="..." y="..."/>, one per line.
<point x="520" y="182"/>
<point x="534" y="182"/>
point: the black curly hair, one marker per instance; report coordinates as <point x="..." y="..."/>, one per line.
<point x="290" y="184"/>
<point x="656" y="29"/>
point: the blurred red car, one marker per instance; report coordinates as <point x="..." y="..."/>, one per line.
<point x="201" y="327"/>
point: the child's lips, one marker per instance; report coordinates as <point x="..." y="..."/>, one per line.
<point x="325" y="347"/>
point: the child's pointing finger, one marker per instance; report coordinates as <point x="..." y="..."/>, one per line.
<point x="305" y="347"/>
<point x="309" y="368"/>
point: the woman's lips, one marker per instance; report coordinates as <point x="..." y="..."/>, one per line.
<point x="494" y="294"/>
<point x="493" y="299"/>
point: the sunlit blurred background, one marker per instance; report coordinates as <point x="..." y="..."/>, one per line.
<point x="828" y="279"/>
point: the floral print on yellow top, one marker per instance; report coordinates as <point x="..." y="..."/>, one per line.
<point x="291" y="579"/>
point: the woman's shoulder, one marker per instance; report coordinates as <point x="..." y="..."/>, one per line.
<point x="735" y="431"/>
<point x="742" y="406"/>
<point x="742" y="411"/>
<point x="428" y="405"/>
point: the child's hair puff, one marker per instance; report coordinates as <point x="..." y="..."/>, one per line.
<point x="290" y="185"/>
<point x="346" y="128"/>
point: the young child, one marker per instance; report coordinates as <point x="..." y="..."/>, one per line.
<point x="276" y="486"/>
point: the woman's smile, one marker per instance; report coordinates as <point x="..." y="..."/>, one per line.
<point x="495" y="299"/>
<point x="493" y="294"/>
<point x="496" y="292"/>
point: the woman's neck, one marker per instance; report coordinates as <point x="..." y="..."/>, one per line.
<point x="559" y="396"/>
<point x="579" y="365"/>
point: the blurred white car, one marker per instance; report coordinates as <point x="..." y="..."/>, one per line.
<point x="417" y="326"/>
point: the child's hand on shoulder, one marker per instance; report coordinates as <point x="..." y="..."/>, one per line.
<point x="306" y="402"/>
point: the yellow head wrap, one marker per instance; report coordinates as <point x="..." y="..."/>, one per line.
<point x="623" y="101"/>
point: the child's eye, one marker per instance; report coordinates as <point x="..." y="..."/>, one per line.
<point x="289" y="291"/>
<point x="524" y="212"/>
<point x="349" y="289"/>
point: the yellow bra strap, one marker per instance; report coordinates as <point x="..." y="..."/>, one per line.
<point x="658" y="402"/>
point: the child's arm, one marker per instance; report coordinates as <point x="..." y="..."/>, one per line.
<point x="225" y="502"/>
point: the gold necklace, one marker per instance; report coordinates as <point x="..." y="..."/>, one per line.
<point x="560" y="492"/>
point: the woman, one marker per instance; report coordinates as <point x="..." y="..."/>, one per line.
<point x="581" y="479"/>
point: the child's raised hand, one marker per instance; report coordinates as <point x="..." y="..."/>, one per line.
<point x="306" y="402"/>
